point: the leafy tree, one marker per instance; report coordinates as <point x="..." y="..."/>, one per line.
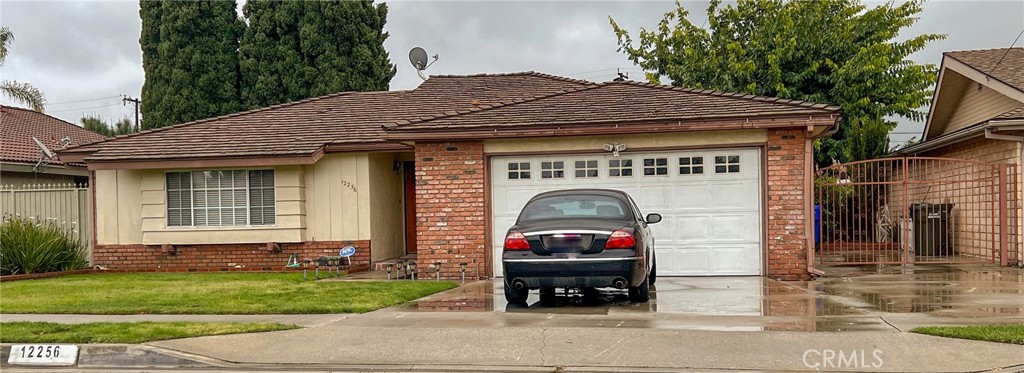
<point x="294" y="50"/>
<point x="189" y="55"/>
<point x="22" y="92"/>
<point x="96" y="124"/>
<point x="831" y="51"/>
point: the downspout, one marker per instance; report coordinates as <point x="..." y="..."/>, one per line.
<point x="1020" y="145"/>
<point x="808" y="206"/>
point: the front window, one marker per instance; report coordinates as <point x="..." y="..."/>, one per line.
<point x="220" y="198"/>
<point x="575" y="206"/>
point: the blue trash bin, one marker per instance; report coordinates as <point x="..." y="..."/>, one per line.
<point x="817" y="224"/>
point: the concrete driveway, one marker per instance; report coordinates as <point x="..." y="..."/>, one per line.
<point x="693" y="323"/>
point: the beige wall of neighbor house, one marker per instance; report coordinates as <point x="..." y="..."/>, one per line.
<point x="387" y="201"/>
<point x="131" y="209"/>
<point x="661" y="140"/>
<point x="978" y="105"/>
<point x="338" y="198"/>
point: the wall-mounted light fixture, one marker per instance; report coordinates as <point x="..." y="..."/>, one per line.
<point x="615" y="148"/>
<point x="396" y="165"/>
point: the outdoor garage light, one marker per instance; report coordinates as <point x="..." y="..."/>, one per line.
<point x="615" y="148"/>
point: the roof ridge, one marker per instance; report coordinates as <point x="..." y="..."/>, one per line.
<point x="481" y="108"/>
<point x="517" y="73"/>
<point x="54" y="118"/>
<point x="745" y="96"/>
<point x="225" y="116"/>
<point x="982" y="50"/>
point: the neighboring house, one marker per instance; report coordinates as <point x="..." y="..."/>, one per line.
<point x="977" y="114"/>
<point x="979" y="94"/>
<point x="442" y="170"/>
<point x="20" y="157"/>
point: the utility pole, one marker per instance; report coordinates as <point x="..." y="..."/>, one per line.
<point x="125" y="100"/>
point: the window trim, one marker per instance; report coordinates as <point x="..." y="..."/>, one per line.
<point x="620" y="168"/>
<point x="519" y="171"/>
<point x="552" y="170"/>
<point x="586" y="168"/>
<point x="690" y="166"/>
<point x="655" y="167"/>
<point x="248" y="206"/>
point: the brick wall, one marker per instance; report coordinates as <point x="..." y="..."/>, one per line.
<point x="450" y="208"/>
<point x="787" y="255"/>
<point x="220" y="257"/>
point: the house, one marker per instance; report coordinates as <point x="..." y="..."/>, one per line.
<point x="441" y="171"/>
<point x="20" y="157"/>
<point x="977" y="114"/>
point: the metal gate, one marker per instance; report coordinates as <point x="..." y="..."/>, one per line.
<point x="917" y="210"/>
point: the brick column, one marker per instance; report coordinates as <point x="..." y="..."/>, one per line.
<point x="787" y="240"/>
<point x="450" y="208"/>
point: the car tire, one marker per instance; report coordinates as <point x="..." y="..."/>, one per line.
<point x="547" y="296"/>
<point x="642" y="293"/>
<point x="517" y="297"/>
<point x="654" y="270"/>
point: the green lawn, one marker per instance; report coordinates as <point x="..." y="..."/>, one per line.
<point x="123" y="332"/>
<point x="205" y="293"/>
<point x="1010" y="333"/>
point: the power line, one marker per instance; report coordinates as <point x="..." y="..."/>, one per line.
<point x="79" y="101"/>
<point x="84" y="108"/>
<point x="1007" y="52"/>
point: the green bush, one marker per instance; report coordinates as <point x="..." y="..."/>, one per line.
<point x="32" y="245"/>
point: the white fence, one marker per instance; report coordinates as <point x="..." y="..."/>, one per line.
<point x="69" y="204"/>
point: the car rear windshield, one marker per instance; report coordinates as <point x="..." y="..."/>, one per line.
<point x="574" y="206"/>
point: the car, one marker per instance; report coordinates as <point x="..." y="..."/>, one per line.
<point x="579" y="239"/>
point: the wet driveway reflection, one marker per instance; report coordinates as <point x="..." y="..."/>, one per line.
<point x="849" y="299"/>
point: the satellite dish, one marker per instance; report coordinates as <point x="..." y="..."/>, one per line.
<point x="418" y="58"/>
<point x="46" y="151"/>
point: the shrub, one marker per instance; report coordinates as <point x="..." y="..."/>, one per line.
<point x="31" y="245"/>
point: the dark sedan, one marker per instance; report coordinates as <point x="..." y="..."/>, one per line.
<point x="582" y="239"/>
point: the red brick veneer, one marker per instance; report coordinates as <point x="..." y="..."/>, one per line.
<point x="222" y="257"/>
<point x="450" y="208"/>
<point x="787" y="240"/>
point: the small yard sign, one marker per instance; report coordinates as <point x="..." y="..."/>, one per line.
<point x="347" y="251"/>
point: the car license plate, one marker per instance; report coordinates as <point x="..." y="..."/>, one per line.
<point x="43" y="354"/>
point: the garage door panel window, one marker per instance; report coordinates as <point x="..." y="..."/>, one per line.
<point x="691" y="165"/>
<point x="552" y="170"/>
<point x="727" y="164"/>
<point x="519" y="170"/>
<point x="220" y="198"/>
<point x="655" y="166"/>
<point x="620" y="167"/>
<point x="586" y="169"/>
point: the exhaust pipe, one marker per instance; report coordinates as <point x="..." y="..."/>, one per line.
<point x="518" y="284"/>
<point x="619" y="283"/>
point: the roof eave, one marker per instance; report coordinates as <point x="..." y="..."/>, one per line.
<point x="802" y="121"/>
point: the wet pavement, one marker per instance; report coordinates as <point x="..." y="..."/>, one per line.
<point x="849" y="299"/>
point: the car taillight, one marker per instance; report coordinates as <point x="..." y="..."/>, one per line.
<point x="618" y="240"/>
<point x="516" y="241"/>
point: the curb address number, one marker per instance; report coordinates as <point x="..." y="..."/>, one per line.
<point x="43" y="354"/>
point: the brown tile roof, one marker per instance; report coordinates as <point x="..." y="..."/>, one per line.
<point x="1010" y="70"/>
<point x="358" y="118"/>
<point x="303" y="127"/>
<point x="18" y="126"/>
<point x="619" y="103"/>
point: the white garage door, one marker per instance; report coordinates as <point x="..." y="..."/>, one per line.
<point x="710" y="201"/>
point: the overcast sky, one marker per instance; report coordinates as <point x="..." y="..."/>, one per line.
<point x="85" y="54"/>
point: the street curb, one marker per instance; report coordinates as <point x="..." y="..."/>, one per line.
<point x="132" y="356"/>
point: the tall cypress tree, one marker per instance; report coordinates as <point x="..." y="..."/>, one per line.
<point x="302" y="49"/>
<point x="189" y="55"/>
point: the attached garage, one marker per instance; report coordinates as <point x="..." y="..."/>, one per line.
<point x="730" y="173"/>
<point x="710" y="200"/>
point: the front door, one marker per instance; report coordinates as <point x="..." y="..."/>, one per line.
<point x="409" y="169"/>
